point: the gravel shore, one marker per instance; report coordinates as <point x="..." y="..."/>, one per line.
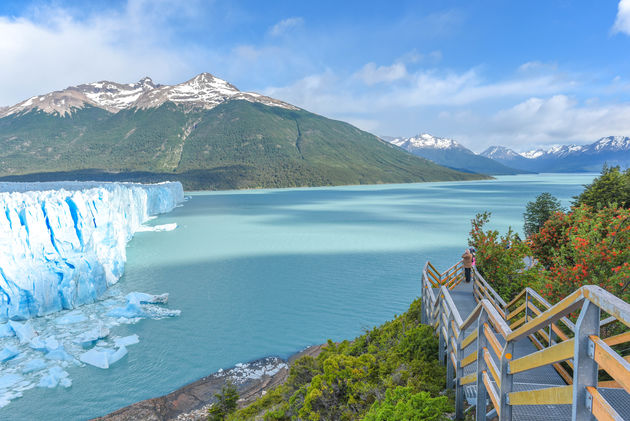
<point x="191" y="402"/>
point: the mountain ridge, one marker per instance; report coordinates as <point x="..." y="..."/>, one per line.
<point x="202" y="91"/>
<point x="203" y="132"/>
<point x="451" y="154"/>
<point x="610" y="150"/>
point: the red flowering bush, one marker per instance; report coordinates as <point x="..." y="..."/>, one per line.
<point x="585" y="247"/>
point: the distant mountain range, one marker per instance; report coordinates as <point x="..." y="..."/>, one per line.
<point x="611" y="150"/>
<point x="203" y="132"/>
<point x="449" y="153"/>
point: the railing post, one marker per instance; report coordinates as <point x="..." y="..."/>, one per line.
<point x="440" y="330"/>
<point x="506" y="382"/>
<point x="423" y="303"/>
<point x="459" y="371"/>
<point x="482" y="343"/>
<point x="449" y="349"/>
<point x="584" y="366"/>
<point x="526" y="306"/>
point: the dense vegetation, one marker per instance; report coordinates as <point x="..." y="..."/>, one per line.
<point x="237" y="144"/>
<point x="587" y="245"/>
<point x="389" y="373"/>
<point x="610" y="188"/>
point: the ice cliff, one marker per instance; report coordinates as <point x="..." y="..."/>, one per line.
<point x="63" y="244"/>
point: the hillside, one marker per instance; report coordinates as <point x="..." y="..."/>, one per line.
<point x="451" y="154"/>
<point x="204" y="133"/>
<point x="390" y="372"/>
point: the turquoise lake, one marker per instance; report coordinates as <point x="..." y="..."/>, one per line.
<point x="270" y="272"/>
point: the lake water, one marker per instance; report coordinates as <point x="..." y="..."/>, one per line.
<point x="269" y="272"/>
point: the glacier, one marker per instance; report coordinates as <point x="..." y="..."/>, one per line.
<point x="62" y="250"/>
<point x="63" y="244"/>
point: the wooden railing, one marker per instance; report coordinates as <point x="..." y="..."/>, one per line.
<point x="575" y="350"/>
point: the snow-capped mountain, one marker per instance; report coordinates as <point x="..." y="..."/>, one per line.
<point x="204" y="133"/>
<point x="425" y="140"/>
<point x="203" y="91"/>
<point x="611" y="150"/>
<point x="499" y="153"/>
<point x="450" y="153"/>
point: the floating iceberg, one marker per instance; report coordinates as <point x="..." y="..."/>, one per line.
<point x="127" y="340"/>
<point x="144" y="298"/>
<point x="63" y="244"/>
<point x="103" y="357"/>
<point x="89" y="338"/>
<point x="55" y="376"/>
<point x="157" y="228"/>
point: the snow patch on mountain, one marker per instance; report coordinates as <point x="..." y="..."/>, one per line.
<point x="425" y="140"/>
<point x="203" y="91"/>
<point x="500" y="152"/>
<point x="611" y="143"/>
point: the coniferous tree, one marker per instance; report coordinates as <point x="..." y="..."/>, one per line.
<point x="226" y="403"/>
<point x="539" y="211"/>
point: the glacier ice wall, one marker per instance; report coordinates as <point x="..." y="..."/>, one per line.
<point x="63" y="244"/>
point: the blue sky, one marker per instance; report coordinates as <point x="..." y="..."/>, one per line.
<point x="523" y="74"/>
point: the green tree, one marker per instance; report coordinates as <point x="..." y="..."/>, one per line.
<point x="226" y="403"/>
<point x="539" y="211"/>
<point x="611" y="187"/>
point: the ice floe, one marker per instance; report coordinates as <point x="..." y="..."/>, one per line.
<point x="157" y="228"/>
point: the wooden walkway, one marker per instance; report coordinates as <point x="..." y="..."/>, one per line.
<point x="541" y="385"/>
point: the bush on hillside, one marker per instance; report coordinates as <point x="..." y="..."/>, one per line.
<point x="612" y="187"/>
<point x="585" y="247"/>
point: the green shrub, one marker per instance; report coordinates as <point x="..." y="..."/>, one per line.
<point x="402" y="404"/>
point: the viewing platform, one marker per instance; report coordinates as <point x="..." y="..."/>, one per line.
<point x="525" y="359"/>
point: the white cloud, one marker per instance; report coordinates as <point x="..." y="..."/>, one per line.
<point x="560" y="119"/>
<point x="534" y="106"/>
<point x="622" y="22"/>
<point x="285" y="25"/>
<point x="41" y="55"/>
<point x="370" y="74"/>
<point x="331" y="94"/>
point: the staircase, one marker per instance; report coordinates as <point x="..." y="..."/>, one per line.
<point x="525" y="360"/>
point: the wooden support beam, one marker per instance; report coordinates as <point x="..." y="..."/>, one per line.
<point x="564" y="307"/>
<point x="600" y="408"/>
<point x="517" y="323"/>
<point x="609" y="360"/>
<point x="492" y="366"/>
<point x="560" y="395"/>
<point x="558" y="352"/>
<point x="492" y="340"/>
<point x="466" y="361"/>
<point x="469" y="339"/>
<point x="471" y="378"/>
<point x="618" y="339"/>
<point x="518" y="310"/>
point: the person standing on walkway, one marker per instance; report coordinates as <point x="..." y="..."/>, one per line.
<point x="467" y="257"/>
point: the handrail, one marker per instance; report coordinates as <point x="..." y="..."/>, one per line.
<point x="491" y="314"/>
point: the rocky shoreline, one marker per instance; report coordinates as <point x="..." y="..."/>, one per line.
<point x="191" y="402"/>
